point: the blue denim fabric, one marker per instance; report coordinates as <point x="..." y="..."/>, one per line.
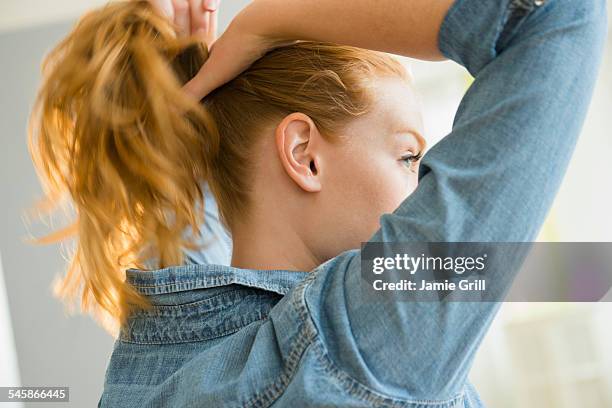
<point x="223" y="336"/>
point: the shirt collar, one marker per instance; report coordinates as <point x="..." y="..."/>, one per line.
<point x="198" y="276"/>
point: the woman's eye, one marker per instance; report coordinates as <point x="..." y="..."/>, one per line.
<point x="410" y="159"/>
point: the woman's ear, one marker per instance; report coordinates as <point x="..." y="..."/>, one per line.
<point x="297" y="141"/>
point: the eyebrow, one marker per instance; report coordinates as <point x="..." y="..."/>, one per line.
<point x="415" y="134"/>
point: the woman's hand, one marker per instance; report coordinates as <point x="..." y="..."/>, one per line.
<point x="191" y="17"/>
<point x="229" y="55"/>
<point x="241" y="44"/>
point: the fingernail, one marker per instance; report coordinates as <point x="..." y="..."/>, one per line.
<point x="210" y="5"/>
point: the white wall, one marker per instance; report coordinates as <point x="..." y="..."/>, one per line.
<point x="22" y="14"/>
<point x="9" y="370"/>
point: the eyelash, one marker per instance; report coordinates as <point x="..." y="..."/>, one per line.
<point x="413" y="157"/>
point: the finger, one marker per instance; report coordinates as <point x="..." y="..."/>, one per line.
<point x="197" y="23"/>
<point x="163" y="7"/>
<point x="205" y="30"/>
<point x="181" y="17"/>
<point x="202" y="33"/>
<point x="201" y="85"/>
<point x="210" y="5"/>
<point x="216" y="71"/>
<point x="212" y="27"/>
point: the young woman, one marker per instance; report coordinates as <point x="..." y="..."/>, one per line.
<point x="309" y="148"/>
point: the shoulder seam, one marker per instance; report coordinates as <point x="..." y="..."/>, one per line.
<point x="356" y="389"/>
<point x="304" y="338"/>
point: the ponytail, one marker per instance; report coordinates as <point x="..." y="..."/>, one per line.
<point x="112" y="130"/>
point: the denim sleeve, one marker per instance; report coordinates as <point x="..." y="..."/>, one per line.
<point x="492" y="179"/>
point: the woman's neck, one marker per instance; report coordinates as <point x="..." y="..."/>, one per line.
<point x="266" y="246"/>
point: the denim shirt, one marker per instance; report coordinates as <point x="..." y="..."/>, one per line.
<point x="221" y="336"/>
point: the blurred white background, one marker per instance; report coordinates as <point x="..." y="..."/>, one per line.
<point x="535" y="355"/>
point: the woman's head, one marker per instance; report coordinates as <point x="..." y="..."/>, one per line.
<point x="310" y="145"/>
<point x="316" y="142"/>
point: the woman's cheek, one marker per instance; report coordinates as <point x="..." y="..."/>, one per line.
<point x="399" y="187"/>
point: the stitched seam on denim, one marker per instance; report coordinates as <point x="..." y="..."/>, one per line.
<point x="225" y="298"/>
<point x="142" y="312"/>
<point x="193" y="308"/>
<point x="135" y="274"/>
<point x="195" y="340"/>
<point x="207" y="283"/>
<point x="305" y="335"/>
<point x="370" y="395"/>
<point x="134" y="339"/>
<point x="153" y="336"/>
<point x="182" y="274"/>
<point x="211" y="281"/>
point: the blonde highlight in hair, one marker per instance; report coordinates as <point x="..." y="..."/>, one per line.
<point x="112" y="130"/>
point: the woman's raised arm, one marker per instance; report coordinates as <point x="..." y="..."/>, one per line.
<point x="407" y="28"/>
<point x="492" y="179"/>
